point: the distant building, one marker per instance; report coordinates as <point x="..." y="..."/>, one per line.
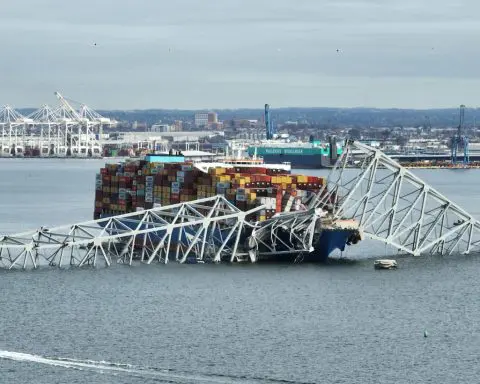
<point x="161" y="128"/>
<point x="201" y="120"/>
<point x="241" y="123"/>
<point x="216" y="126"/>
<point x="178" y="124"/>
<point x="136" y="126"/>
<point x="206" y="119"/>
<point x="212" y="118"/>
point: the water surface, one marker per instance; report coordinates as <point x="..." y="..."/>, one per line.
<point x="338" y="323"/>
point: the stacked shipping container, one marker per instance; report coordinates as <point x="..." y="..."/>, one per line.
<point x="136" y="185"/>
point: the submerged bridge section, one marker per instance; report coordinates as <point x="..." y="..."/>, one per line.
<point x="389" y="203"/>
<point x="394" y="206"/>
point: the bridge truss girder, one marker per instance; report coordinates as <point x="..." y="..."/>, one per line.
<point x="176" y="231"/>
<point x="394" y="206"/>
<point x="204" y="230"/>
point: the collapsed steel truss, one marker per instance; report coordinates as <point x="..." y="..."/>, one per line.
<point x="389" y="203"/>
<point x="205" y="230"/>
<point x="394" y="206"/>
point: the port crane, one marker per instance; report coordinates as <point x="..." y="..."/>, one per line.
<point x="460" y="139"/>
<point x="12" y="131"/>
<point x="268" y="123"/>
<point x="85" y="128"/>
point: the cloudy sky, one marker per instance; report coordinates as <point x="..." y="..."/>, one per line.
<point x="126" y="54"/>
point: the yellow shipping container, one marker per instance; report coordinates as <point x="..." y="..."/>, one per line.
<point x="217" y="171"/>
<point x="302" y="179"/>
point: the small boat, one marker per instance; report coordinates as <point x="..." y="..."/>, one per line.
<point x="385" y="264"/>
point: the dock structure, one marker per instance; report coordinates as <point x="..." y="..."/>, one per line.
<point x="394" y="206"/>
<point x="388" y="203"/>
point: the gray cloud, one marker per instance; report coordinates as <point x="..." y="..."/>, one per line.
<point x="240" y="53"/>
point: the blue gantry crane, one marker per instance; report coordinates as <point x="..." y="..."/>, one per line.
<point x="268" y="123"/>
<point x="460" y="140"/>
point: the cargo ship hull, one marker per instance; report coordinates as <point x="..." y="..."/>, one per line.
<point x="306" y="156"/>
<point x="299" y="161"/>
<point x="327" y="241"/>
<point x="270" y="194"/>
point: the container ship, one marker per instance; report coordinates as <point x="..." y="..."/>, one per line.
<point x="312" y="155"/>
<point x="161" y="180"/>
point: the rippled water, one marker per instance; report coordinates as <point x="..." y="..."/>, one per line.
<point x="338" y="323"/>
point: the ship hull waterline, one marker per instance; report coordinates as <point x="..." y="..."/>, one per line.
<point x="326" y="242"/>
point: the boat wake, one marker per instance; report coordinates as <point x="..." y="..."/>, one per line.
<point x="166" y="375"/>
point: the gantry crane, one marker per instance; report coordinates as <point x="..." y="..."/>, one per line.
<point x="460" y="139"/>
<point x="268" y="123"/>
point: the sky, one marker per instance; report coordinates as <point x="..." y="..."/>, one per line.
<point x="205" y="54"/>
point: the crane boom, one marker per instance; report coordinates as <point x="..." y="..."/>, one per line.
<point x="462" y="120"/>
<point x="460" y="139"/>
<point x="67" y="105"/>
<point x="268" y="123"/>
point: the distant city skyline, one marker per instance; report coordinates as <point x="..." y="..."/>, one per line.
<point x="185" y="54"/>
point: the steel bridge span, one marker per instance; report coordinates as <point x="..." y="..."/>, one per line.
<point x="389" y="203"/>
